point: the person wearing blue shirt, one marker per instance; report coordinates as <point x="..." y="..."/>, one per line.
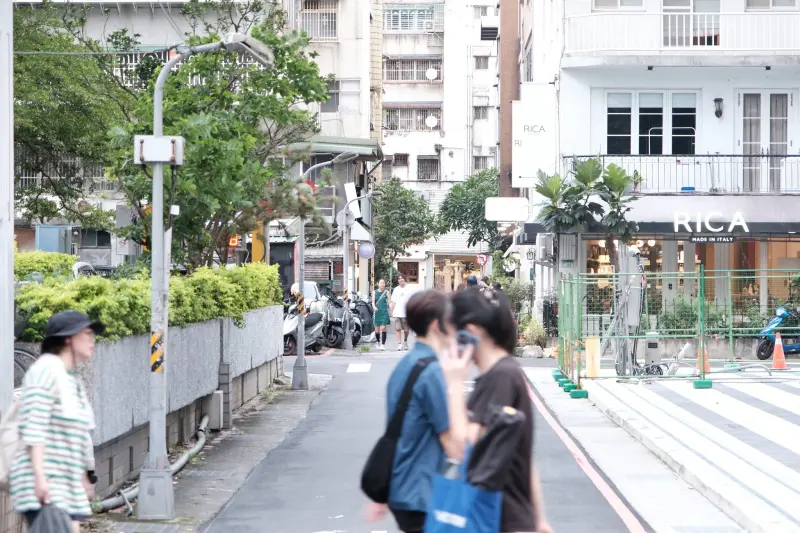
<point x="426" y="439"/>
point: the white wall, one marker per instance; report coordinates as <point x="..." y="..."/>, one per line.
<point x="464" y="87"/>
<point x="583" y="102"/>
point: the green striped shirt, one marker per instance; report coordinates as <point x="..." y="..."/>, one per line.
<point x="68" y="450"/>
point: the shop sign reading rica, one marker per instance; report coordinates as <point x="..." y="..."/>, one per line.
<point x="712" y="222"/>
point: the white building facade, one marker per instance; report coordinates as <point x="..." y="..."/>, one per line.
<point x="343" y="35"/>
<point x="700" y="97"/>
<point x="431" y="142"/>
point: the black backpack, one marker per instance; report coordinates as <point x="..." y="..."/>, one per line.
<point x="377" y="475"/>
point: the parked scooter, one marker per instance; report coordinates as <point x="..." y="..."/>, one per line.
<point x="363" y="310"/>
<point x="791" y="342"/>
<point x="334" y="329"/>
<point x="313" y="331"/>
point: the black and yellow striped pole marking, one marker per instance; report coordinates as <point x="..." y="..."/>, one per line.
<point x="157" y="351"/>
<point x="301" y="306"/>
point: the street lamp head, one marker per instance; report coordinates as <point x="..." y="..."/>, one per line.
<point x="238" y="42"/>
<point x="344" y="157"/>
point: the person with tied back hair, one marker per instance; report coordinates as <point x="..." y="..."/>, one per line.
<point x="487" y="317"/>
<point x="425" y="437"/>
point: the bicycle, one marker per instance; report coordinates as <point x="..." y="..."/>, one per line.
<point x="23" y="359"/>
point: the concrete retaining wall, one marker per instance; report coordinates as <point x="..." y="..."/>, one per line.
<point x="201" y="358"/>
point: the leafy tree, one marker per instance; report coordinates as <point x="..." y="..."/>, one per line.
<point x="64" y="106"/>
<point x="237" y="118"/>
<point x="595" y="199"/>
<point x="464" y="208"/>
<point x="402" y="218"/>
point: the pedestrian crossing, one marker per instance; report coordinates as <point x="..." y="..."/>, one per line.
<point x="736" y="441"/>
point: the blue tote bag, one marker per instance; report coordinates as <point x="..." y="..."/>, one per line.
<point x="458" y="507"/>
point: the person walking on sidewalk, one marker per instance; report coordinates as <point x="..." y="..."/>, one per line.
<point x="55" y="462"/>
<point x="400" y="296"/>
<point x="380" y="303"/>
<point x="487" y="319"/>
<point x="425" y="437"/>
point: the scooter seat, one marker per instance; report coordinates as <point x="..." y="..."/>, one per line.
<point x="313" y="318"/>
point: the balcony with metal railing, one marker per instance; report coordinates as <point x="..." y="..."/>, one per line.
<point x="706" y="174"/>
<point x="621" y="33"/>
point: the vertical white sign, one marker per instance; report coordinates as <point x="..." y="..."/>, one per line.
<point x="533" y="135"/>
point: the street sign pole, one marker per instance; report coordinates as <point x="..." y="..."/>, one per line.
<point x="300" y="372"/>
<point x="6" y="204"/>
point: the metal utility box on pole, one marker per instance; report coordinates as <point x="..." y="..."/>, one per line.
<point x="6" y="204"/>
<point x="156" y="492"/>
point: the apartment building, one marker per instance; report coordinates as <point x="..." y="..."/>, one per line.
<point x="342" y="35"/>
<point x="432" y="50"/>
<point x="700" y="97"/>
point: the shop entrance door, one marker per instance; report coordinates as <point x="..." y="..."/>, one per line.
<point x="765" y="134"/>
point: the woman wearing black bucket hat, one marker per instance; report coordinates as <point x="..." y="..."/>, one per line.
<point x="55" y="462"/>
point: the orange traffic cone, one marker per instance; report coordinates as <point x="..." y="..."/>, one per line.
<point x="778" y="358"/>
<point x="706" y="365"/>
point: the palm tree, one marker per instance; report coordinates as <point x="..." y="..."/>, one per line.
<point x="574" y="205"/>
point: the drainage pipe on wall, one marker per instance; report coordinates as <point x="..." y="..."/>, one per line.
<point x="128" y="495"/>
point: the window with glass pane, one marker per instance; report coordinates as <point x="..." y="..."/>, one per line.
<point x="651" y="123"/>
<point x="771" y="4"/>
<point x="684" y="123"/>
<point x="331" y="105"/>
<point x="616" y="4"/>
<point x="618" y="131"/>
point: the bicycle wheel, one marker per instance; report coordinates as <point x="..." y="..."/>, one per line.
<point x="23" y="359"/>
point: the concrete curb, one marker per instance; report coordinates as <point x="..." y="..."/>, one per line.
<point x="705" y="479"/>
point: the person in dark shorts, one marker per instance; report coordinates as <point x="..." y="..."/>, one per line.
<point x="488" y="317"/>
<point x="397" y="306"/>
<point x="425" y="437"/>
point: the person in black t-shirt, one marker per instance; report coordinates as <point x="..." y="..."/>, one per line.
<point x="487" y="316"/>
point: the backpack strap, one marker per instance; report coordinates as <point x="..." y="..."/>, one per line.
<point x="396" y="422"/>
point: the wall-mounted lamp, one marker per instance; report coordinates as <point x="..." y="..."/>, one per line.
<point x="718" y="107"/>
<point x="529" y="255"/>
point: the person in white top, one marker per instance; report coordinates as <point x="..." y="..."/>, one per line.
<point x="398" y="308"/>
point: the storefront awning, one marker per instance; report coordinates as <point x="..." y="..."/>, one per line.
<point x="367" y="149"/>
<point x="682" y="216"/>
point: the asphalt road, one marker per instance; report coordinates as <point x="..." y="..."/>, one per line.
<point x="309" y="484"/>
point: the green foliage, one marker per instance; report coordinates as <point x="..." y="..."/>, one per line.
<point x="63" y="108"/>
<point x="534" y="334"/>
<point x="682" y="318"/>
<point x="520" y="294"/>
<point x="570" y="204"/>
<point x="464" y="208"/>
<point x="47" y="263"/>
<point x="124" y="305"/>
<point x="402" y="218"/>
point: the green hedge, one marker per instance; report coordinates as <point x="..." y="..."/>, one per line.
<point x="124" y="305"/>
<point x="48" y="263"/>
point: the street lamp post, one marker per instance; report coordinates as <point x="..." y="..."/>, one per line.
<point x="300" y="370"/>
<point x="6" y="204"/>
<point x="156" y="493"/>
<point x="348" y="340"/>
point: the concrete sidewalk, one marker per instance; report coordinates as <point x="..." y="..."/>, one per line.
<point x="209" y="481"/>
<point x="735" y="443"/>
<point x="623" y="471"/>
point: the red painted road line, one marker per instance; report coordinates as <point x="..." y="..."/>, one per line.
<point x="326" y="354"/>
<point x="622" y="510"/>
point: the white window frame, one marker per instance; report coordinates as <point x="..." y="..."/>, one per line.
<point x="393" y="18"/>
<point x="772" y="8"/>
<point x="666" y="137"/>
<point x="481" y="162"/>
<point x="408" y="118"/>
<point x="482" y="110"/>
<point x="396" y="66"/>
<point x="618" y="7"/>
<point x="319" y="12"/>
<point x="336" y="90"/>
